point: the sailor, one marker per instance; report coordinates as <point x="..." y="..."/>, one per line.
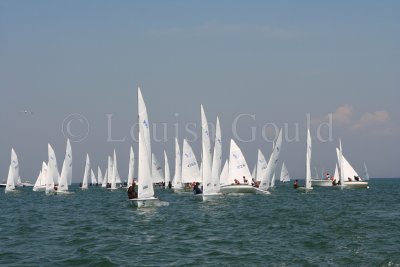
<point x="296" y="184"/>
<point x="196" y="189"/>
<point x="327" y="176"/>
<point x="131" y="191"/>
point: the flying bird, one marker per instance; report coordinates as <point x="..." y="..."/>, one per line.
<point x="26" y="112"/>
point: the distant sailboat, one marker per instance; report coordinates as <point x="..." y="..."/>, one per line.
<point x="93" y="179"/>
<point x="115" y="174"/>
<point x="15" y="166"/>
<point x="261" y="166"/>
<point x="157" y="173"/>
<point x="86" y="174"/>
<point x="145" y="181"/>
<point x="66" y="172"/>
<point x="52" y="172"/>
<point x="365" y="172"/>
<point x="177" y="182"/>
<point x="190" y="167"/>
<point x="167" y="176"/>
<point x="308" y="184"/>
<point x="348" y="177"/>
<point x="40" y="184"/>
<point x="240" y="179"/>
<point x="99" y="176"/>
<point x="285" y="177"/>
<point x="212" y="190"/>
<point x="271" y="166"/>
<point x="10" y="185"/>
<point x="131" y="169"/>
<point x="105" y="179"/>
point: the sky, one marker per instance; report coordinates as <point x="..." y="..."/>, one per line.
<point x="258" y="65"/>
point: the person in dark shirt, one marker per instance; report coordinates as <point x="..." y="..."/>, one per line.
<point x="296" y="184"/>
<point x="131" y="191"/>
<point x="196" y="189"/>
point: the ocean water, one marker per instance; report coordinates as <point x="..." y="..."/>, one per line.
<point x="326" y="227"/>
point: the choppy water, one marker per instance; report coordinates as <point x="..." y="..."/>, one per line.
<point x="327" y="227"/>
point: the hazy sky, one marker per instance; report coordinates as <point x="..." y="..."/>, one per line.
<point x="275" y="60"/>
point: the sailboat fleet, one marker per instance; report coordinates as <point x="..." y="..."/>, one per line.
<point x="211" y="174"/>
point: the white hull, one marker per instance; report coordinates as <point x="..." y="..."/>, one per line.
<point x="262" y="192"/>
<point x="355" y="184"/>
<point x="27" y="184"/>
<point x="207" y="197"/>
<point x="238" y="189"/>
<point x="144" y="202"/>
<point x="10" y="191"/>
<point x="321" y="182"/>
<point x="39" y="188"/>
<point x="51" y="192"/>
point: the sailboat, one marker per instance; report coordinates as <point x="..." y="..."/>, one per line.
<point x="317" y="181"/>
<point x="262" y="165"/>
<point x="239" y="177"/>
<point x="177" y="182"/>
<point x="52" y="172"/>
<point x="66" y="172"/>
<point x="365" y="175"/>
<point x="116" y="175"/>
<point x="211" y="189"/>
<point x="99" y="176"/>
<point x="145" y="182"/>
<point x="10" y="184"/>
<point x="190" y="167"/>
<point x="157" y="173"/>
<point x="348" y="177"/>
<point x="85" y="181"/>
<point x="15" y="166"/>
<point x="167" y="177"/>
<point x="131" y="167"/>
<point x="308" y="185"/>
<point x="93" y="179"/>
<point x="105" y="179"/>
<point x="40" y="184"/>
<point x="285" y="177"/>
<point x="267" y="175"/>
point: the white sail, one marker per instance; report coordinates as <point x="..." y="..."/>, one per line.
<point x="99" y="176"/>
<point x="66" y="172"/>
<point x="110" y="169"/>
<point x="238" y="168"/>
<point x="15" y="166"/>
<point x="254" y="172"/>
<point x="273" y="161"/>
<point x="217" y="160"/>
<point x="224" y="177"/>
<point x="177" y="182"/>
<point x="115" y="174"/>
<point x="87" y="173"/>
<point x="93" y="178"/>
<point x="365" y="172"/>
<point x="272" y="185"/>
<point x="68" y="160"/>
<point x="105" y="179"/>
<point x="52" y="172"/>
<point x="10" y="186"/>
<point x="308" y="184"/>
<point x="131" y="167"/>
<point x="348" y="171"/>
<point x="145" y="182"/>
<point x="340" y="163"/>
<point x="316" y="174"/>
<point x="190" y="167"/>
<point x="63" y="181"/>
<point x="167" y="177"/>
<point x="38" y="180"/>
<point x="157" y="173"/>
<point x="206" y="153"/>
<point x="285" y="177"/>
<point x="144" y="125"/>
<point x="336" y="175"/>
<point x="261" y="166"/>
<point x="115" y="170"/>
<point x="43" y="178"/>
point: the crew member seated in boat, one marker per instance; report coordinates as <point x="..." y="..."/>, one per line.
<point x="169" y="185"/>
<point x="196" y="189"/>
<point x="349" y="179"/>
<point x="327" y="176"/>
<point x="356" y="178"/>
<point x="253" y="182"/>
<point x="131" y="191"/>
<point x="334" y="182"/>
<point x="80" y="184"/>
<point x="244" y="180"/>
<point x="236" y="181"/>
<point x="296" y="184"/>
